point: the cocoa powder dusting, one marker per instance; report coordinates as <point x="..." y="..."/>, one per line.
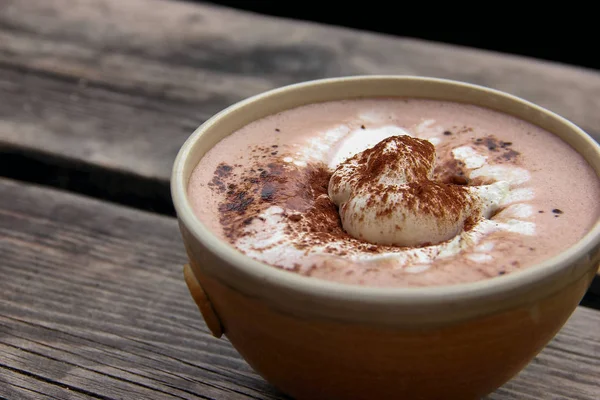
<point x="250" y="191"/>
<point x="310" y="215"/>
<point x="502" y="150"/>
<point x="322" y="219"/>
<point x="450" y="171"/>
<point x="301" y="191"/>
<point x="420" y="193"/>
<point x="295" y="217"/>
<point x="442" y="199"/>
<point x="372" y="162"/>
<point x="459" y="180"/>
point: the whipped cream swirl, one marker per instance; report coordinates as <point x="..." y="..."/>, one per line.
<point x="386" y="195"/>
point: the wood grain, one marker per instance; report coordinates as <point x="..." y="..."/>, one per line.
<point x="93" y="305"/>
<point x="122" y="84"/>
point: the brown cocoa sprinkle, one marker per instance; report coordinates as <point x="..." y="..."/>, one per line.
<point x="469" y="224"/>
<point x="557" y="211"/>
<point x="239" y="203"/>
<point x="268" y="191"/>
<point x="277" y="130"/>
<point x="250" y="193"/>
<point x="501" y="273"/>
<point x="373" y="161"/>
<point x="447" y="133"/>
<point x="489" y="141"/>
<point x="301" y="191"/>
<point x="445" y="172"/>
<point x="295" y="217"/>
<point x="362" y="127"/>
<point x="459" y="180"/>
<point x="223" y="170"/>
<point x="436" y="198"/>
<point x="541" y="211"/>
<point x="509" y="155"/>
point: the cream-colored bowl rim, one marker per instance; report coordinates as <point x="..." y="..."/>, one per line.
<point x="258" y="271"/>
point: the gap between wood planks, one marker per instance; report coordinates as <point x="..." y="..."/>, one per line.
<point x="91" y="180"/>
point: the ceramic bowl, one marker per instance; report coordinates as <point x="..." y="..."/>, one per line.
<point x="315" y="339"/>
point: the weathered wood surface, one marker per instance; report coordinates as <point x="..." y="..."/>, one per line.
<point x="93" y="305"/>
<point x="121" y="84"/>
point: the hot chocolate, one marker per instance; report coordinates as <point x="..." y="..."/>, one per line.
<point x="395" y="192"/>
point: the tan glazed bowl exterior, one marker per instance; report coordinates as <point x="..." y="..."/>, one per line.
<point x="315" y="339"/>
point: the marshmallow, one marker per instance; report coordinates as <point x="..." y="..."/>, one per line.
<point x="386" y="196"/>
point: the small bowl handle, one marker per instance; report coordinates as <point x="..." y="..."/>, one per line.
<point x="199" y="296"/>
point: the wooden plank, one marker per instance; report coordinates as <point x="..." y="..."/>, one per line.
<point x="122" y="84"/>
<point x="94" y="305"/>
<point x="19" y="385"/>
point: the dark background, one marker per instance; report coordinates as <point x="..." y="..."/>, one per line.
<point x="567" y="36"/>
